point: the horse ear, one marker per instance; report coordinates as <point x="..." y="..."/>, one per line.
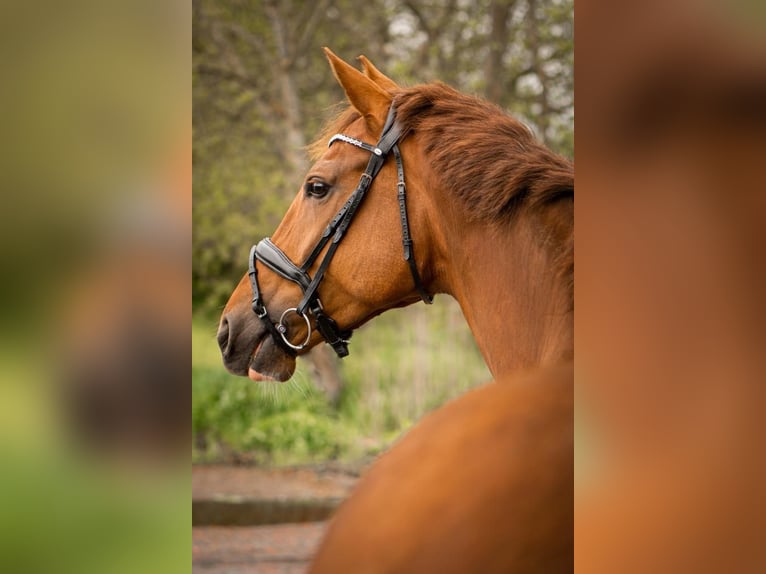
<point x="365" y="95"/>
<point x="377" y="76"/>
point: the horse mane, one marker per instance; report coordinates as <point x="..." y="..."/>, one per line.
<point x="487" y="159"/>
<point x="493" y="165"/>
<point x="491" y="162"/>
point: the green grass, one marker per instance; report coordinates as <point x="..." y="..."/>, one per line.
<point x="402" y="365"/>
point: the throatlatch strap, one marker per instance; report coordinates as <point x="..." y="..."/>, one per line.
<point x="409" y="253"/>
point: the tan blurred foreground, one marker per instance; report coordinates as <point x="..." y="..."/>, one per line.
<point x="670" y="284"/>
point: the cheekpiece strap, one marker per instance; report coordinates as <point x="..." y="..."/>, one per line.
<point x="276" y="260"/>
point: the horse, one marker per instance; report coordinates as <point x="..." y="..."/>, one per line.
<point x="483" y="484"/>
<point x="485" y="214"/>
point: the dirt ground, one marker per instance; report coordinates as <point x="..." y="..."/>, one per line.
<point x="282" y="548"/>
<point x="272" y="483"/>
<point x="262" y="549"/>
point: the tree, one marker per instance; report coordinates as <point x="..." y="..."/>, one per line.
<point x="526" y="47"/>
<point x="252" y="71"/>
<point x="261" y="89"/>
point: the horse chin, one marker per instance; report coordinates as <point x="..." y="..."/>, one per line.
<point x="270" y="363"/>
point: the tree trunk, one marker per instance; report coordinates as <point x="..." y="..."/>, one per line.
<point x="293" y="118"/>
<point x="533" y="26"/>
<point x="498" y="42"/>
<point x="324" y="365"/>
<point x="321" y="358"/>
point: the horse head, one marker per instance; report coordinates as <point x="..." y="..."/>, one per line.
<point x="336" y="259"/>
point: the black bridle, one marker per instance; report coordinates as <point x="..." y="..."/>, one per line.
<point x="275" y="259"/>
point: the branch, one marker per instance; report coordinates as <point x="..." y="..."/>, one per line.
<point x="446" y="14"/>
<point x="419" y="16"/>
<point x="225" y="73"/>
<point x="248" y="37"/>
<point x="309" y="26"/>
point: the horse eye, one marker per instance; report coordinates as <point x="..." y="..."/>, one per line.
<point x="316" y="188"/>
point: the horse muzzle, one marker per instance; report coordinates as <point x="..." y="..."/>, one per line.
<point x="247" y="349"/>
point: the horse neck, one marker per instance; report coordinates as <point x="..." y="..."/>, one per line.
<point x="511" y="288"/>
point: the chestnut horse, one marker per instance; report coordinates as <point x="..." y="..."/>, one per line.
<point x="490" y="218"/>
<point x="485" y="214"/>
<point x="483" y="484"/>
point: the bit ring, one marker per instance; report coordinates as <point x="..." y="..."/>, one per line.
<point x="282" y="328"/>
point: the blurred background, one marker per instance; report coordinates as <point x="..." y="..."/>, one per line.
<point x="95" y="229"/>
<point x="261" y="91"/>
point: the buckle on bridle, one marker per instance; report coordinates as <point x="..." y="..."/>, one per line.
<point x="330" y="331"/>
<point x="259" y="309"/>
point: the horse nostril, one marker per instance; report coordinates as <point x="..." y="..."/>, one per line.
<point x="223" y="335"/>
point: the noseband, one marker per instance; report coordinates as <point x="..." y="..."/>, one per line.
<point x="275" y="259"/>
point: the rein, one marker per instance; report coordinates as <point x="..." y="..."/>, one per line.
<point x="275" y="259"/>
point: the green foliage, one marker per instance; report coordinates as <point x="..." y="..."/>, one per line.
<point x="269" y="421"/>
<point x="407" y="362"/>
<point x="66" y="514"/>
<point x="272" y="423"/>
<point x="228" y="218"/>
<point x="398" y="371"/>
<point x="303" y="434"/>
